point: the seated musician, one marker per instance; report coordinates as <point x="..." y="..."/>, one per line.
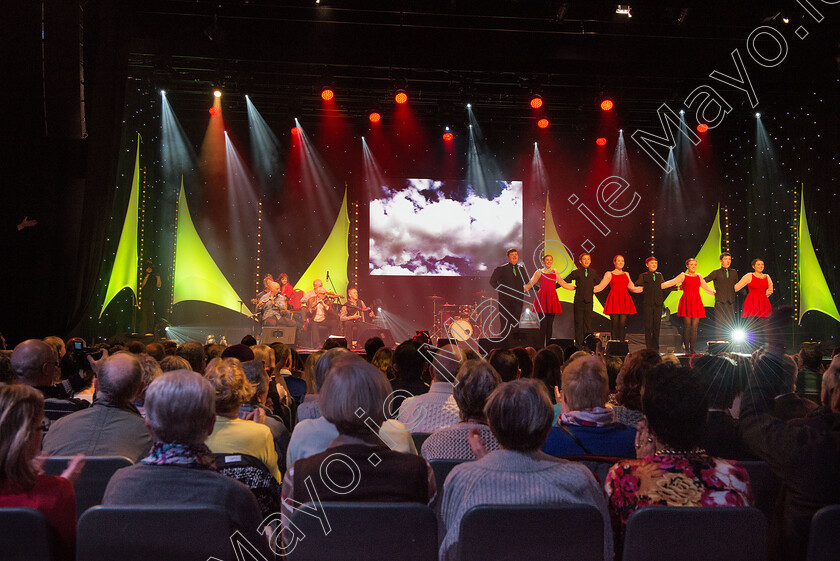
<point x="266" y="288"/>
<point x="316" y="284"/>
<point x="353" y="314"/>
<point x="322" y="320"/>
<point x="273" y="308"/>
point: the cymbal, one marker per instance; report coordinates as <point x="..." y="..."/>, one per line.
<point x="448" y="306"/>
<point x="434" y="297"/>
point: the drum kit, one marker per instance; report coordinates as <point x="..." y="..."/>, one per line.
<point x="462" y="326"/>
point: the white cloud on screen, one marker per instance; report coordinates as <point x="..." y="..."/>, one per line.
<point x="410" y="235"/>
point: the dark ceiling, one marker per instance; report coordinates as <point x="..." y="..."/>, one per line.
<point x="448" y="53"/>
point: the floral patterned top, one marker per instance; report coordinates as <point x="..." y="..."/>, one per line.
<point x="674" y="480"/>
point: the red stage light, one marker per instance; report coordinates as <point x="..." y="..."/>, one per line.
<point x="401" y="97"/>
<point x="295" y="131"/>
<point x="447" y="136"/>
<point x="702" y="128"/>
<point x="606" y="105"/>
<point x="601" y="141"/>
<point x="542" y="123"/>
<point x="215" y="110"/>
<point x="327" y="94"/>
<point x="536" y="102"/>
<point x="375" y="117"/>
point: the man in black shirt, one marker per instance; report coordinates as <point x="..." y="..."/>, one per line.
<point x="585" y="279"/>
<point x="724" y="279"/>
<point x="651" y="282"/>
<point x="507" y="279"/>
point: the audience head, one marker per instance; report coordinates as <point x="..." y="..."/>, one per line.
<point x="675" y="405"/>
<point x="408" y="362"/>
<point x="382" y="360"/>
<point x="631" y="375"/>
<point x="371" y="346"/>
<point x="476" y="381"/>
<point x="523" y="359"/>
<point x="547" y="369"/>
<point x="717" y="374"/>
<point x="170" y="363"/>
<point x="155" y="350"/>
<point x="585" y="384"/>
<point x="670" y="358"/>
<point x="213" y="350"/>
<point x="239" y="352"/>
<point x="135" y="347"/>
<point x="6" y="374"/>
<point x="228" y="379"/>
<point x="35" y="363"/>
<point x="811" y="356"/>
<point x="613" y="364"/>
<point x="334" y="343"/>
<point x="324" y="364"/>
<point x="57" y="343"/>
<point x="180" y="408"/>
<point x="520" y="414"/>
<point x="558" y="351"/>
<point x="506" y="364"/>
<point x="170" y="348"/>
<point x="21" y="411"/>
<point x="446" y="363"/>
<point x="309" y="372"/>
<point x="149" y="369"/>
<point x="568" y="352"/>
<point x="192" y="352"/>
<point x="120" y="378"/>
<point x="282" y="356"/>
<point x="353" y="384"/>
<point x="264" y="354"/>
<point x="257" y="376"/>
<point x="777" y="373"/>
<point x="248" y="340"/>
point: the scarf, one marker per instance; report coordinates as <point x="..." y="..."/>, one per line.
<point x="175" y="454"/>
<point x="595" y="417"/>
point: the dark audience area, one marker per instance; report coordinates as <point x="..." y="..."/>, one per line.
<point x="415" y="452"/>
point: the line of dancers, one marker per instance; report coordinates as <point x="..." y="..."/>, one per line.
<point x="619" y="303"/>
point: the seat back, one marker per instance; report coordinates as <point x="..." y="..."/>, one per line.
<point x="370" y="531"/>
<point x="140" y="533"/>
<point x="598" y="465"/>
<point x="659" y="533"/>
<point x="419" y="438"/>
<point x="442" y="469"/>
<point x="823" y="544"/>
<point x="25" y="535"/>
<point x="90" y="486"/>
<point x="765" y="486"/>
<point x="253" y="473"/>
<point x="532" y="532"/>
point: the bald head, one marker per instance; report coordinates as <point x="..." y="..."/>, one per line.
<point x="120" y="378"/>
<point x="35" y="363"/>
<point x="447" y="360"/>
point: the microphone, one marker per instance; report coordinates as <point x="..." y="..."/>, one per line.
<point x="328" y="275"/>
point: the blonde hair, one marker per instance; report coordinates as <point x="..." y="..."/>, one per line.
<point x="585" y="383"/>
<point x="21" y="407"/>
<point x="265" y="354"/>
<point x="228" y="379"/>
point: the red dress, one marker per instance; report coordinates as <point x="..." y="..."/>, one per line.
<point x="757" y="304"/>
<point x="618" y="300"/>
<point x="547" y="299"/>
<point x="691" y="306"/>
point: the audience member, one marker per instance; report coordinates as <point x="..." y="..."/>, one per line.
<point x="519" y="414"/>
<point x="6" y="374"/>
<point x="241" y="353"/>
<point x="170" y="348"/>
<point x="35" y="364"/>
<point x="408" y="365"/>
<point x="382" y="360"/>
<point x="57" y="343"/>
<point x="21" y="485"/>
<point x="112" y="426"/>
<point x="295" y="385"/>
<point x="180" y="469"/>
<point x="232" y="435"/>
<point x="193" y="352"/>
<point x="212" y="351"/>
<point x="155" y="350"/>
<point x="435" y="409"/>
<point x="506" y="365"/>
<point x="547" y="370"/>
<point x="248" y="341"/>
<point x="150" y="369"/>
<point x="809" y="378"/>
<point x="628" y="397"/>
<point x="310" y="408"/>
<point x="586" y="426"/>
<point x="614" y="364"/>
<point x="255" y="374"/>
<point x="371" y="346"/>
<point x="524" y="360"/>
<point x="786" y="404"/>
<point x="672" y="470"/>
<point x="476" y="381"/>
<point x="135" y="347"/>
<point x="172" y="362"/>
<point x="353" y="384"/>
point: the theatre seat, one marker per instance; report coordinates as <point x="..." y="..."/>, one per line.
<point x="823" y="543"/>
<point x="369" y="531"/>
<point x="143" y="533"/>
<point x="664" y="533"/>
<point x="419" y="438"/>
<point x="442" y="469"/>
<point x="532" y="533"/>
<point x="24" y="535"/>
<point x="90" y="488"/>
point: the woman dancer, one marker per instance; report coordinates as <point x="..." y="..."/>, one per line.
<point x="691" y="305"/>
<point x="757" y="304"/>
<point x="547" y="300"/>
<point x="619" y="303"/>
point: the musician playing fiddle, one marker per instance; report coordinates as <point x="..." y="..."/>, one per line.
<point x="353" y="313"/>
<point x="321" y="318"/>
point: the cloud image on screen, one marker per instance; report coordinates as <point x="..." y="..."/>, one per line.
<point x="426" y="227"/>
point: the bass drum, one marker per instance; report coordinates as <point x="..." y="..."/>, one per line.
<point x="460" y="329"/>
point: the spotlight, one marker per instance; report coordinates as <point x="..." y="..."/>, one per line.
<point x="601" y="141"/>
<point x="542" y="123"/>
<point x="327" y="94"/>
<point x="447" y="136"/>
<point x="786" y="20"/>
<point x="379" y="310"/>
<point x="607" y="105"/>
<point x="446" y="128"/>
<point x="758" y="115"/>
<point x="217" y="93"/>
<point x="374" y="117"/>
<point x="536" y="101"/>
<point x="739" y="335"/>
<point x="624" y="9"/>
<point x="295" y="131"/>
<point x="401" y="97"/>
<point x="469" y="106"/>
<point x="215" y="110"/>
<point x="702" y="128"/>
<point x="162" y="92"/>
<point x="682" y="111"/>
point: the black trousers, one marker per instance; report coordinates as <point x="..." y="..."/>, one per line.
<point x="512" y="306"/>
<point x="724" y="320"/>
<point x="583" y="321"/>
<point x="653" y="321"/>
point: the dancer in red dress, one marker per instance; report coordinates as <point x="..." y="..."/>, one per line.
<point x="757" y="304"/>
<point x="691" y="305"/>
<point x="547" y="301"/>
<point x="619" y="303"/>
